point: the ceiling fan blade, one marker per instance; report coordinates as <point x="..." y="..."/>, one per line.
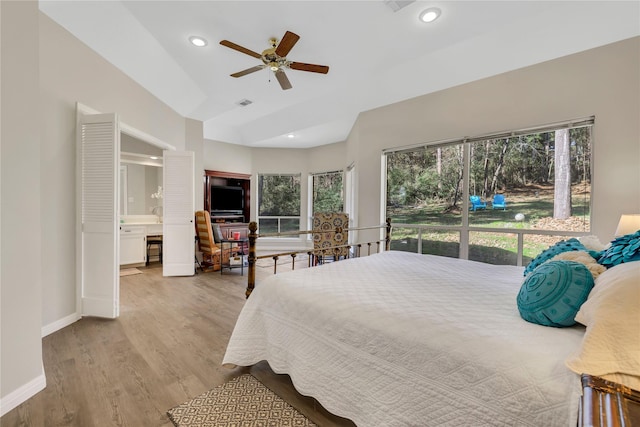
<point x="283" y="80"/>
<point x="239" y="48"/>
<point x="322" y="69"/>
<point x="286" y="44"/>
<point x="248" y="71"/>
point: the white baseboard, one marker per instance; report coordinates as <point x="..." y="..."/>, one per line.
<point x="23" y="393"/>
<point x="59" y="324"/>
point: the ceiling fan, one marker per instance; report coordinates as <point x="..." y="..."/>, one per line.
<point x="275" y="58"/>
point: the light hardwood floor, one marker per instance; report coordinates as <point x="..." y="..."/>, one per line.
<point x="165" y="348"/>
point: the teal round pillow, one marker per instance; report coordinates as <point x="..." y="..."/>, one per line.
<point x="552" y="294"/>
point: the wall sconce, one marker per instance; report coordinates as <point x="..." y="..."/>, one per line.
<point x="629" y="223"/>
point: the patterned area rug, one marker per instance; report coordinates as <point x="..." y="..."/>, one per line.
<point x="241" y="402"/>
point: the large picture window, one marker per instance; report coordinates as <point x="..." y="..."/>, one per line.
<point x="530" y="180"/>
<point x="278" y="203"/>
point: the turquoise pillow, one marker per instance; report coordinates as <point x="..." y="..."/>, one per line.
<point x="553" y="293"/>
<point x="562" y="246"/>
<point x="622" y="249"/>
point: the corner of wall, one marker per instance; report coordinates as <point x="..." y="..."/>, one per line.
<point x="23" y="393"/>
<point x="59" y="324"/>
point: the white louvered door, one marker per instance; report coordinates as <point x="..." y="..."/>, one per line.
<point x="178" y="208"/>
<point x="99" y="154"/>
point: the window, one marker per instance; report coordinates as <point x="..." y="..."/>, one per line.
<point x="327" y="192"/>
<point x="530" y="182"/>
<point x="278" y="203"/>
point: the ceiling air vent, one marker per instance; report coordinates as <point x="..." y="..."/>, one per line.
<point x="396" y="5"/>
<point x="244" y="102"/>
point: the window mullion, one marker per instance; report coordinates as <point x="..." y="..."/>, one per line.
<point x="464" y="232"/>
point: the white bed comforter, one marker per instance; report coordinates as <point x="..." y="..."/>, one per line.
<point x="401" y="339"/>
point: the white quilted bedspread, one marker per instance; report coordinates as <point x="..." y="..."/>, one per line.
<point x="401" y="339"/>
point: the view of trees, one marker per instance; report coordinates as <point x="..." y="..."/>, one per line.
<point x="327" y="192"/>
<point x="278" y="195"/>
<point x="434" y="174"/>
<point x="278" y="203"/>
<point x="279" y="199"/>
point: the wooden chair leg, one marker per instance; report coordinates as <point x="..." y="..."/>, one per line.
<point x="207" y="264"/>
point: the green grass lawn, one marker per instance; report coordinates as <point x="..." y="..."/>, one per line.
<point x="494" y="248"/>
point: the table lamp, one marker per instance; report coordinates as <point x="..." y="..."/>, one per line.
<point x="629" y="223"/>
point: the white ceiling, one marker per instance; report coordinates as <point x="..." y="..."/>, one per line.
<point x="376" y="56"/>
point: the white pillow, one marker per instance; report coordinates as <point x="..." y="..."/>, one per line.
<point x="592" y="243"/>
<point x="611" y="343"/>
<point x="583" y="258"/>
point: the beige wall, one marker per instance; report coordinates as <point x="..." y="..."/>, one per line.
<point x="22" y="213"/>
<point x="603" y="82"/>
<point x="219" y="156"/>
<point x="194" y="142"/>
<point x="327" y="158"/>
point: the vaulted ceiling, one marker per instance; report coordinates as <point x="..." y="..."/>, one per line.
<point x="377" y="55"/>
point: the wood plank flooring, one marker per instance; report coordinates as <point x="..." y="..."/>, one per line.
<point x="165" y="348"/>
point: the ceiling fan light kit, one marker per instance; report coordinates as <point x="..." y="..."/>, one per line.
<point x="275" y="58"/>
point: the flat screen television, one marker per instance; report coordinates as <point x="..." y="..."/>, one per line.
<point x="226" y="199"/>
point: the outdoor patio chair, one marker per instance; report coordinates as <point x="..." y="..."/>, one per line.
<point x="499" y="202"/>
<point x="476" y="203"/>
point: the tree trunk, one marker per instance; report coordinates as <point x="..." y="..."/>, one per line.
<point x="458" y="190"/>
<point x="496" y="174"/>
<point x="562" y="176"/>
<point x="439" y="168"/>
<point x="485" y="169"/>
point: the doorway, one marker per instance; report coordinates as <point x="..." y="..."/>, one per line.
<point x="98" y="243"/>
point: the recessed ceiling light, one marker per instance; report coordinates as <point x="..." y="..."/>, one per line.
<point x="291" y="135"/>
<point x="429" y="15"/>
<point x="153" y="158"/>
<point x="198" y="41"/>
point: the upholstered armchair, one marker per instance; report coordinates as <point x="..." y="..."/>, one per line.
<point x="327" y="234"/>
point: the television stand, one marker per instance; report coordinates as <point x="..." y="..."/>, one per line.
<point x="227" y="218"/>
<point x="225" y="214"/>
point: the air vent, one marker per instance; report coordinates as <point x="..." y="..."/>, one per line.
<point x="396" y="5"/>
<point x="244" y="102"/>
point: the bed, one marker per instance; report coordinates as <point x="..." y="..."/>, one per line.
<point x="402" y="339"/>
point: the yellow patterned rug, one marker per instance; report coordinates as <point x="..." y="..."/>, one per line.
<point x="241" y="402"/>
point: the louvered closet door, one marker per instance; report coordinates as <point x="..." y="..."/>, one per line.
<point x="178" y="210"/>
<point x="99" y="153"/>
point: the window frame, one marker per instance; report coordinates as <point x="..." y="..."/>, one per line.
<point x="260" y="217"/>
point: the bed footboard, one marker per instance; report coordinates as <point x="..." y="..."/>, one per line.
<point x="607" y="404"/>
<point x="253" y="237"/>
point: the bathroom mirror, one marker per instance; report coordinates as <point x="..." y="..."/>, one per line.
<point x="140" y="178"/>
<point x="138" y="183"/>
